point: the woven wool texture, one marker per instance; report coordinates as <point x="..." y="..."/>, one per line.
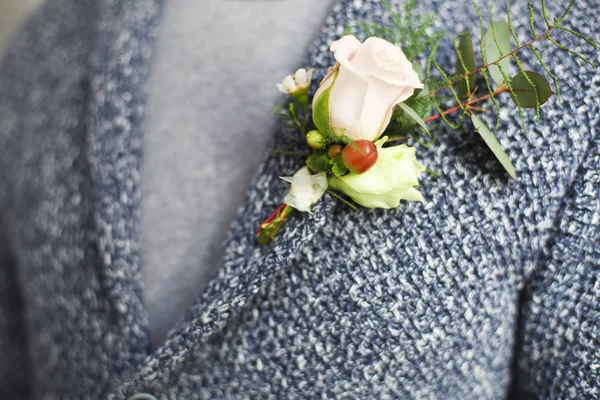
<point x="70" y="196"/>
<point x="487" y="289"/>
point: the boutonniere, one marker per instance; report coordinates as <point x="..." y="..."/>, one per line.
<point x="389" y="88"/>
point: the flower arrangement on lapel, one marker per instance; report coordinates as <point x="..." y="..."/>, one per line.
<point x="388" y="88"/>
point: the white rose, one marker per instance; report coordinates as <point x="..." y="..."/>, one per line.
<point x="390" y="180"/>
<point x="373" y="78"/>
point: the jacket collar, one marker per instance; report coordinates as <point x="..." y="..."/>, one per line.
<point x="120" y="65"/>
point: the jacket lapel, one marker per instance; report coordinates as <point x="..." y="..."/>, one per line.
<point x="247" y="267"/>
<point x="122" y="62"/>
<point x="120" y="66"/>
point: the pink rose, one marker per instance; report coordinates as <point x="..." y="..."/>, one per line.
<point x="373" y="77"/>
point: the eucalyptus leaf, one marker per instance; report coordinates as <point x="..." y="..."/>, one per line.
<point x="321" y="110"/>
<point x="490" y="139"/>
<point x="414" y="116"/>
<point x="527" y="95"/>
<point x="465" y="62"/>
<point x="499" y="32"/>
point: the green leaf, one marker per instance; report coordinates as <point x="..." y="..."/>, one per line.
<point x="484" y="70"/>
<point x="465" y="63"/>
<point x="564" y="14"/>
<point x="321" y="110"/>
<point x="402" y="122"/>
<point x="293" y="110"/>
<point x="268" y="230"/>
<point x="580" y="36"/>
<point x="527" y="95"/>
<point x="494" y="145"/>
<point x="414" y="116"/>
<point x="318" y="161"/>
<point x="338" y="168"/>
<point x="545" y="14"/>
<point x="418" y="92"/>
<point x="419" y="70"/>
<point x="421" y="104"/>
<point x="572" y="52"/>
<point x="342" y="139"/>
<point x="497" y="45"/>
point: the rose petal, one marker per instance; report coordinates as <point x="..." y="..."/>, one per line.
<point x="345" y="48"/>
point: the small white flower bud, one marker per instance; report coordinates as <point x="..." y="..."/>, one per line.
<point x="297" y="84"/>
<point x="289" y="84"/>
<point x="300" y="77"/>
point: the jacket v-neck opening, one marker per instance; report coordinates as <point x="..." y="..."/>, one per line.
<point x="115" y="171"/>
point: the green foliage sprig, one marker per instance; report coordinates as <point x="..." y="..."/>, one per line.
<point x="295" y="115"/>
<point x="455" y="96"/>
<point x="528" y="89"/>
<point x="405" y="26"/>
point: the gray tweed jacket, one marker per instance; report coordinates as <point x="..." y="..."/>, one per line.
<point x="489" y="289"/>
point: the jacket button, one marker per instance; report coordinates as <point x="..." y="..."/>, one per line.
<point x="142" y="396"/>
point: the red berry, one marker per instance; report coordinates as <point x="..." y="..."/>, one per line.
<point x="359" y="156"/>
<point x="334" y="150"/>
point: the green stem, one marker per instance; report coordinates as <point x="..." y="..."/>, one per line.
<point x="340" y="198"/>
<point x="271" y="226"/>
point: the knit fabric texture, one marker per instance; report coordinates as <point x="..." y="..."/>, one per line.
<point x="488" y="289"/>
<point x="186" y="205"/>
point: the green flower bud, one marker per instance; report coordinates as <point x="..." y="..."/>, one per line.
<point x="315" y="139"/>
<point x="318" y="161"/>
